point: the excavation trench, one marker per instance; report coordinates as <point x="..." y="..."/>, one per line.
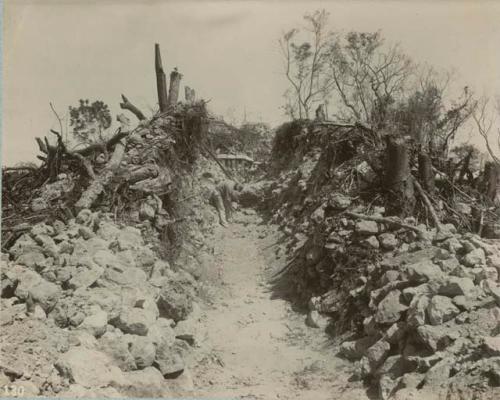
<point x="255" y="345"/>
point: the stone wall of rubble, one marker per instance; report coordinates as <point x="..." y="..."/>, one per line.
<point x="417" y="309"/>
<point x="105" y="303"/>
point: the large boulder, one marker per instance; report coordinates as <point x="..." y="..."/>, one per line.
<point x="455" y="286"/>
<point x="491" y="346"/>
<point x="135" y="320"/>
<point x="189" y="331"/>
<point x="34" y="259"/>
<point x="388" y="241"/>
<point x="169" y="360"/>
<point x="389" y="376"/>
<point x="423" y="271"/>
<point x="161" y="331"/>
<point x="474" y="258"/>
<point x="390" y="308"/>
<point x="84" y="250"/>
<point x="143" y="350"/>
<point x="123" y="276"/>
<point x="367" y="228"/>
<point x="417" y="311"/>
<point x="96" y="322"/>
<point x="116" y="347"/>
<point x="23" y="245"/>
<point x="129" y="238"/>
<point x="32" y="285"/>
<point x="354" y="350"/>
<point x="85" y="276"/>
<point x="108" y="300"/>
<point x="441" y="309"/>
<point x="375" y="357"/>
<point x="88" y="367"/>
<point x="175" y="302"/>
<point x="436" y="338"/>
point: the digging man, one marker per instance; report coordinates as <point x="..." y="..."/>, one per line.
<point x="222" y="199"/>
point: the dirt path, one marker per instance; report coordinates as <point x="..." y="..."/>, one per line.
<point x="257" y="347"/>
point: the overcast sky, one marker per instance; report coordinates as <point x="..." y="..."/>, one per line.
<point x="61" y="51"/>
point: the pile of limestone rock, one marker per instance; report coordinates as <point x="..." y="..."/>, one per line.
<point x="429" y="307"/>
<point x="88" y="308"/>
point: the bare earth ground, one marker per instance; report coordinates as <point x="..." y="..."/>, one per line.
<point x="256" y="347"/>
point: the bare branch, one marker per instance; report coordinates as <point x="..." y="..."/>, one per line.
<point x="484" y="124"/>
<point x="127" y="105"/>
<point x="57" y="116"/>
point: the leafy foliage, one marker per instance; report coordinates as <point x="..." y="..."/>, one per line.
<point x="89" y="120"/>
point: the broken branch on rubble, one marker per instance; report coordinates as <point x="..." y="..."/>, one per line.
<point x="428" y="204"/>
<point x="127" y="105"/>
<point x="384" y="220"/>
<point x="98" y="184"/>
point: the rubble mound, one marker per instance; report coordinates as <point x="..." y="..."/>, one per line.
<point x="416" y="307"/>
<point x="94" y="298"/>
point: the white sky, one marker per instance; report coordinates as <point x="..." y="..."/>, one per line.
<point x="61" y="51"/>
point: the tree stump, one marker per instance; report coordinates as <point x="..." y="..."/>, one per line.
<point x="175" y="83"/>
<point x="491" y="182"/>
<point x="425" y="172"/>
<point x="398" y="178"/>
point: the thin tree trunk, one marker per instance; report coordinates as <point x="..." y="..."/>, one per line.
<point x="161" y="80"/>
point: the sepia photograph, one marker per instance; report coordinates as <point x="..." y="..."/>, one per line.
<point x="250" y="199"/>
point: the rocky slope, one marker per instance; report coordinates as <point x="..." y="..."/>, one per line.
<point x="417" y="308"/>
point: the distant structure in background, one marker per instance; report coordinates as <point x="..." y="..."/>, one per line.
<point x="236" y="162"/>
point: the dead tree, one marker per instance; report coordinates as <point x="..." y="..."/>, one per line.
<point x="175" y="83"/>
<point x="52" y="157"/>
<point x="398" y="178"/>
<point x="161" y="80"/>
<point x="99" y="183"/>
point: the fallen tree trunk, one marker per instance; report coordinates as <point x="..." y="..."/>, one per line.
<point x="145" y="172"/>
<point x="99" y="183"/>
<point x="384" y="220"/>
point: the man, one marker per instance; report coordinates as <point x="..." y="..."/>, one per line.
<point x="222" y="199"/>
